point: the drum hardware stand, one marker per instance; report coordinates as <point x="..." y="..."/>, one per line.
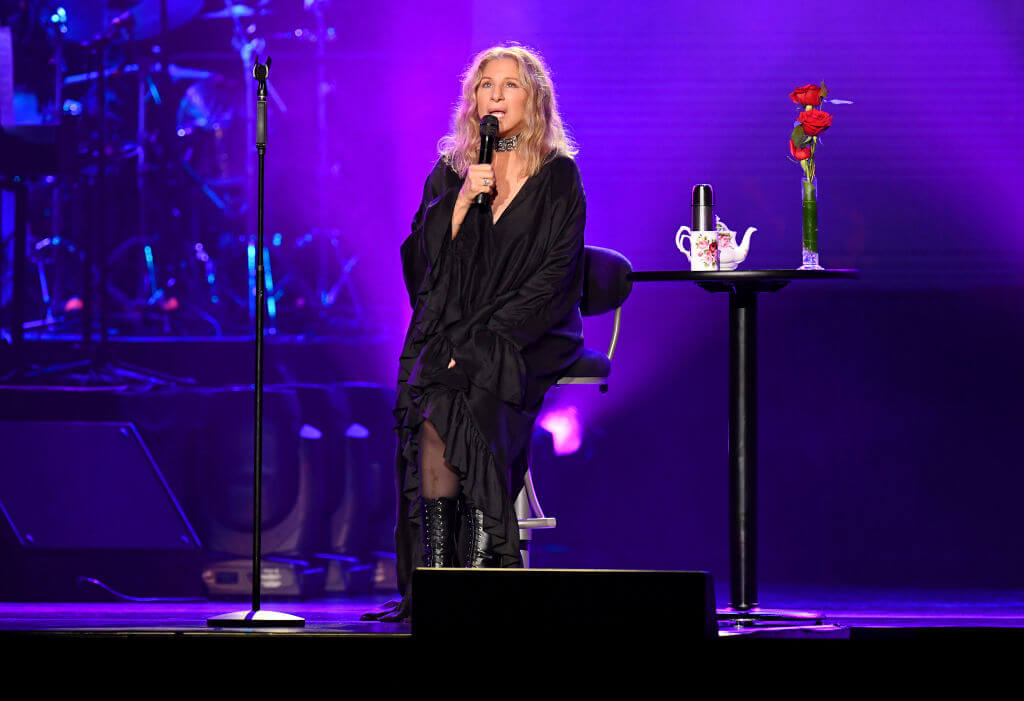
<point x="97" y="366"/>
<point x="257" y="617"/>
<point x="322" y="165"/>
<point x="248" y="53"/>
<point x="155" y="293"/>
<point x="325" y="239"/>
<point x="58" y="24"/>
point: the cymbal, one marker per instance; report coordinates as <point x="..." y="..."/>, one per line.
<point x="239" y="9"/>
<point x="87" y="19"/>
<point x="233" y="11"/>
<point x="211" y="126"/>
<point x="174" y="71"/>
<point x="210" y="104"/>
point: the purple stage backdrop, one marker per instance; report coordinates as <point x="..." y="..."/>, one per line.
<point x="889" y="406"/>
<point x="662" y="96"/>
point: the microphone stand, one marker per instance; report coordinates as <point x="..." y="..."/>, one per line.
<point x="257" y="617"/>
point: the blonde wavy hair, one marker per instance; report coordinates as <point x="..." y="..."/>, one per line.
<point x="543" y="131"/>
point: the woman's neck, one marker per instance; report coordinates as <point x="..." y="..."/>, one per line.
<point x="507" y="163"/>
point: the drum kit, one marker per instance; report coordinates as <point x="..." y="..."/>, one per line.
<point x="154" y="205"/>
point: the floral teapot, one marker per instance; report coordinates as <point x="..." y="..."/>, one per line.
<point x="730" y="252"/>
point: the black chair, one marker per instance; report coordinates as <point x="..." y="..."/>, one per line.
<point x="606" y="285"/>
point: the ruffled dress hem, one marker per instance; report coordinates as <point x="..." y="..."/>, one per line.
<point x="469" y="455"/>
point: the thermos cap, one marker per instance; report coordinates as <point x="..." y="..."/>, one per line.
<point x="703" y="196"/>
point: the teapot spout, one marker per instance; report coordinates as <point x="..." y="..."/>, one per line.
<point x="744" y="245"/>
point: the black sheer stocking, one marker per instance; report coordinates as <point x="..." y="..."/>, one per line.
<point x="437" y="476"/>
<point x="437" y="479"/>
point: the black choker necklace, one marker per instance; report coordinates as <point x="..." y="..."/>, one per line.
<point x="508" y="144"/>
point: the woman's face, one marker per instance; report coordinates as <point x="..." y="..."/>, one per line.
<point x="502" y="94"/>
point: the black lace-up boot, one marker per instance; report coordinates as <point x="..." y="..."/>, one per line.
<point x="477" y="542"/>
<point x="438" y="516"/>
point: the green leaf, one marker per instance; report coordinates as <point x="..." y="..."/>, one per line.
<point x="824" y="90"/>
<point x="799" y="137"/>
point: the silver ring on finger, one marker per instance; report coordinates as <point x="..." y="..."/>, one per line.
<point x="487" y="181"/>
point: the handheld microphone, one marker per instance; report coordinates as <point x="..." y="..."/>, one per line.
<point x="488" y="132"/>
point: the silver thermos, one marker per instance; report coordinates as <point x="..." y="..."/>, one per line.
<point x="703" y="204"/>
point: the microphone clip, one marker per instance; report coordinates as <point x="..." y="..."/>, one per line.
<point x="261" y="71"/>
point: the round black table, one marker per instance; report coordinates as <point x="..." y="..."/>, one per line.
<point x="743" y="287"/>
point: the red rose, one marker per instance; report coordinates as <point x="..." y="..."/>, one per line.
<point x="814" y="121"/>
<point x="807" y="95"/>
<point x="799" y="153"/>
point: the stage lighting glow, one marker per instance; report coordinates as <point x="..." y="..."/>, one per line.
<point x="357" y="431"/>
<point x="565" y="427"/>
<point x="310" y="432"/>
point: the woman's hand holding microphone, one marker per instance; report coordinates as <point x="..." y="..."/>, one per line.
<point x="479" y="179"/>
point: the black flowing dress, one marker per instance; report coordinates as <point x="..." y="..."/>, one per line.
<point x="502" y="299"/>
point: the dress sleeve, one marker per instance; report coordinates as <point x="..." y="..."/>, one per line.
<point x="491" y="354"/>
<point x="431" y="230"/>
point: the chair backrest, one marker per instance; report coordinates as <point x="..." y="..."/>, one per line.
<point x="605" y="282"/>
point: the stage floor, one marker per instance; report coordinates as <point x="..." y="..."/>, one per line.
<point x="852" y="613"/>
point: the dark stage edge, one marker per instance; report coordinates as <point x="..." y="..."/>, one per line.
<point x="982" y="616"/>
<point x="325" y="618"/>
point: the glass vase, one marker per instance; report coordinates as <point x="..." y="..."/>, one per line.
<point x="809" y="200"/>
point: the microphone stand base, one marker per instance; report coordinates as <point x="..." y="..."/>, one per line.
<point x="255" y="619"/>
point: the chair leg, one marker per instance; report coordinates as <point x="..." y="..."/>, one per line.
<point x="522" y="507"/>
<point x="534" y="508"/>
<point x="529" y="513"/>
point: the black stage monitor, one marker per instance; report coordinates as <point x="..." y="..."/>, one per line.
<point x="86" y="499"/>
<point x="537" y="603"/>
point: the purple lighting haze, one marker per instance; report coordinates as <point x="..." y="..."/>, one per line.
<point x="663" y="124"/>
<point x="565" y="428"/>
<point x="884" y="457"/>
